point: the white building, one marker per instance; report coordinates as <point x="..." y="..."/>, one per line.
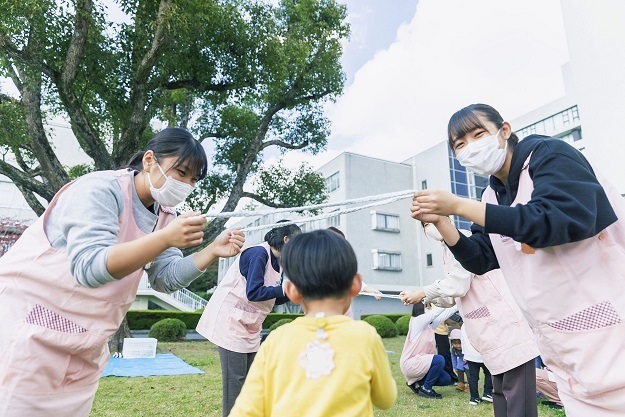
<point x="594" y="80"/>
<point x="393" y="252"/>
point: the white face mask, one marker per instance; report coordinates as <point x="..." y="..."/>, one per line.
<point x="433" y="232"/>
<point x="483" y="157"/>
<point x="172" y="193"/>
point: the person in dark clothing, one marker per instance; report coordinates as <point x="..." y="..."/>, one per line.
<point x="556" y="229"/>
<point x="235" y="313"/>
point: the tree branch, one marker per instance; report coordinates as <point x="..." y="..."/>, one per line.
<point x="25" y="181"/>
<point x="193" y="84"/>
<point x="261" y="200"/>
<point x="139" y="90"/>
<point x="14" y="77"/>
<point x="12" y="51"/>
<point x="284" y="144"/>
<point x="212" y="135"/>
<point x="31" y="199"/>
<point x="76" y="47"/>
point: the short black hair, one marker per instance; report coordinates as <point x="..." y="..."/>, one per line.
<point x="178" y="143"/>
<point x="275" y="237"/>
<point x="467" y="119"/>
<point x="418" y="309"/>
<point x="321" y="264"/>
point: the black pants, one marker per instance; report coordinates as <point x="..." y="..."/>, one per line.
<point x="474" y="379"/>
<point x="444" y="349"/>
<point x="514" y="392"/>
<point x="234" y="369"/>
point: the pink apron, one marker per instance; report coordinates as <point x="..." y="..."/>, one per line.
<point x="573" y="297"/>
<point x="54" y="333"/>
<point x="416" y="357"/>
<point x="230" y="320"/>
<point x="495" y="325"/>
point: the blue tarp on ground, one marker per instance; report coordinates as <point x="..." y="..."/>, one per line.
<point x="162" y="364"/>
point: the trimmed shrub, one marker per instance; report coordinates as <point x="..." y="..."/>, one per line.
<point x="168" y="330"/>
<point x="279" y="323"/>
<point x="383" y="325"/>
<point x="393" y="316"/>
<point x="145" y="319"/>
<point x="274" y="317"/>
<point x="403" y="323"/>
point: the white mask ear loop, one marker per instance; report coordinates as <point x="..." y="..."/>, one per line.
<point x="162" y="172"/>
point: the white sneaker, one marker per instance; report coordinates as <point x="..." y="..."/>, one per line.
<point x="487" y="397"/>
<point x="474" y="401"/>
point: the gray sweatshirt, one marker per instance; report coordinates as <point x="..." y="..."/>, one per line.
<point x="85" y="223"/>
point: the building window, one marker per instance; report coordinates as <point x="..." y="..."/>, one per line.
<point x="575" y="112"/>
<point x="334" y="221"/>
<point x="384" y="221"/>
<point x="386" y="260"/>
<point x="424" y="184"/>
<point x="332" y="182"/>
<point x="428" y="259"/>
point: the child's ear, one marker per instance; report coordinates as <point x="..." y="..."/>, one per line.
<point x="291" y="291"/>
<point x="356" y="285"/>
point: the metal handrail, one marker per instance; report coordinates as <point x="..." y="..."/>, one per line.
<point x="183" y="295"/>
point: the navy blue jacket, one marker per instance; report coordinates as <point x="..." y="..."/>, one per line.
<point x="252" y="266"/>
<point x="568" y="204"/>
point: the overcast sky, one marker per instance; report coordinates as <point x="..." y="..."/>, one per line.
<point x="411" y="65"/>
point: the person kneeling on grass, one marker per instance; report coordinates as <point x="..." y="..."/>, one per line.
<point x="322" y="364"/>
<point x="421" y="367"/>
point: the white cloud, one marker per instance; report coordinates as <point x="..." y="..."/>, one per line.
<point x="453" y="53"/>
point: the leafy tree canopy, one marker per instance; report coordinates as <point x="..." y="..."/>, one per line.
<point x="247" y="74"/>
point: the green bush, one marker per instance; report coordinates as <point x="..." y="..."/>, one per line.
<point x="274" y="317"/>
<point x="383" y="325"/>
<point x="279" y="323"/>
<point x="144" y="319"/>
<point x="403" y="323"/>
<point x="168" y="330"/>
<point x="393" y="316"/>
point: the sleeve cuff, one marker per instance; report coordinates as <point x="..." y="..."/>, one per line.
<point x="462" y="250"/>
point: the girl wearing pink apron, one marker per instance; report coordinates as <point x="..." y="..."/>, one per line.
<point x="556" y="230"/>
<point x="235" y="312"/>
<point x="66" y="284"/>
<point x="495" y="327"/>
<point x="421" y="366"/>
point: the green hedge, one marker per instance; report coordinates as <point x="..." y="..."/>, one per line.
<point x="394" y="316"/>
<point x="383" y="325"/>
<point x="168" y="330"/>
<point x="274" y="317"/>
<point x="403" y="324"/>
<point x="279" y="323"/>
<point x="144" y="319"/>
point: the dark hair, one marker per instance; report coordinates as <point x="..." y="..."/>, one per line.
<point x="467" y="120"/>
<point x="321" y="264"/>
<point x="275" y="237"/>
<point x="337" y="231"/>
<point x="176" y="142"/>
<point x="418" y="309"/>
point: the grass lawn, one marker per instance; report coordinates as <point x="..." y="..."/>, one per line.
<point x="200" y="395"/>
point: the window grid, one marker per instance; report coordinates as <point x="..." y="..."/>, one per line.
<point x="386" y="260"/>
<point x="332" y="182"/>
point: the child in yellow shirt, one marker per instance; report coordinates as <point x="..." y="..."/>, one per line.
<point x="322" y="364"/>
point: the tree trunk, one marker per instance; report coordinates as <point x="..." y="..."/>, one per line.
<point x="116" y="342"/>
